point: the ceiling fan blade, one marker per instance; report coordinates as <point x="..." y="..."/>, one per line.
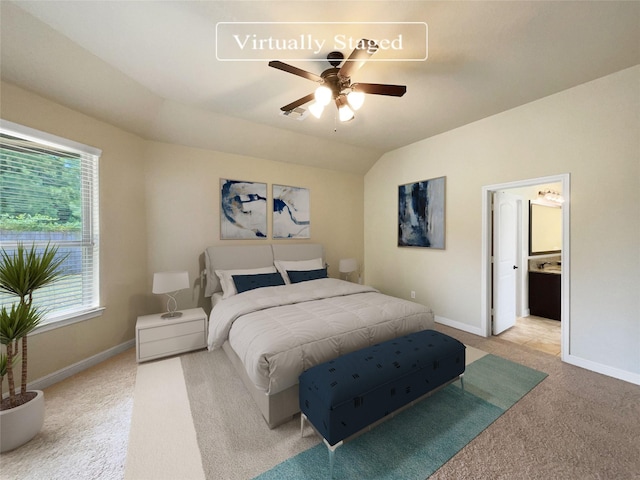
<point x="297" y="103"/>
<point x="380" y="89"/>
<point x="295" y="70"/>
<point x="358" y="57"/>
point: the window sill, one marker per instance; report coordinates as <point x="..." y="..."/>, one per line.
<point x="69" y="320"/>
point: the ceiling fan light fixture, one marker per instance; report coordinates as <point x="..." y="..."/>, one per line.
<point x="345" y="113"/>
<point x="316" y="109"/>
<point x="323" y="95"/>
<point x="335" y="83"/>
<point x="355" y="99"/>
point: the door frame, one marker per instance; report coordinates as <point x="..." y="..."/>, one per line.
<point x="486" y="285"/>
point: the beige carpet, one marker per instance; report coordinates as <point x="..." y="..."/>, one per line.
<point x="86" y="427"/>
<point x="576" y="425"/>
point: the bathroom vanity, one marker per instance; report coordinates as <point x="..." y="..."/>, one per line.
<point x="545" y="288"/>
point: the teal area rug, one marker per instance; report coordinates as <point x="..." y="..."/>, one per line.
<point x="418" y="441"/>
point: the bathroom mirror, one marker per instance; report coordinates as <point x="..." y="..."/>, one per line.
<point x="545" y="229"/>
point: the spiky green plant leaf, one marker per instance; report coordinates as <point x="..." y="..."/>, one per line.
<point x="3" y="365"/>
<point x="23" y="272"/>
<point x="18" y="322"/>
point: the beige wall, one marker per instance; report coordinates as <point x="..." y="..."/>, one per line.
<point x="159" y="210"/>
<point x="123" y="237"/>
<point x="183" y="208"/>
<point x="592" y="132"/>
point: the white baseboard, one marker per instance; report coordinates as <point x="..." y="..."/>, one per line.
<point x="66" y="372"/>
<point x="603" y="369"/>
<point x="460" y="326"/>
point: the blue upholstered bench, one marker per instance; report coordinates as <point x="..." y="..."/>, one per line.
<point x="343" y="396"/>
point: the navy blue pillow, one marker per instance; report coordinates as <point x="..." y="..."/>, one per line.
<point x="302" y="276"/>
<point x="250" y="282"/>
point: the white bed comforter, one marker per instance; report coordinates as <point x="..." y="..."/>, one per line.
<point x="278" y="332"/>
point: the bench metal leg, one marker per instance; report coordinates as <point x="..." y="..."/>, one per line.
<point x="332" y="455"/>
<point x="303" y="418"/>
<point x="331" y="448"/>
<point x="462" y="381"/>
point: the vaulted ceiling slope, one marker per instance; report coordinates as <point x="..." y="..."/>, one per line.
<point x="152" y="68"/>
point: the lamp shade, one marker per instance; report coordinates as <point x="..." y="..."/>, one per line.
<point x="345" y="113"/>
<point x="348" y="265"/>
<point x="355" y="99"/>
<point x="166" y="282"/>
<point x="323" y="95"/>
<point x="316" y="109"/>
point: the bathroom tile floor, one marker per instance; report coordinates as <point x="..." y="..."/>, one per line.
<point x="538" y="333"/>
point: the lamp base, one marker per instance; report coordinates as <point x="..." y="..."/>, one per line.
<point x="171" y="315"/>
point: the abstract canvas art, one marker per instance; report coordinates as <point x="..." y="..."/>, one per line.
<point x="291" y="217"/>
<point x="421" y="214"/>
<point x="243" y="210"/>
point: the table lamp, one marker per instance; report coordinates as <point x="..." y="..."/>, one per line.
<point x="170" y="283"/>
<point x="347" y="265"/>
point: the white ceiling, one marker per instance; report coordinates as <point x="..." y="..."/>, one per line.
<point x="151" y="68"/>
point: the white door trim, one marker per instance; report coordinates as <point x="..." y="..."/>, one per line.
<point x="485" y="290"/>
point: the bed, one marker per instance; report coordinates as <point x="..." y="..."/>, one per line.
<point x="276" y="313"/>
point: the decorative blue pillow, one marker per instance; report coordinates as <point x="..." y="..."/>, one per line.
<point x="250" y="282"/>
<point x="302" y="276"/>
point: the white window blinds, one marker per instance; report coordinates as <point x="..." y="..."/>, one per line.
<point x="49" y="195"/>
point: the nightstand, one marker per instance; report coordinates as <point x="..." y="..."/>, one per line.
<point x="158" y="337"/>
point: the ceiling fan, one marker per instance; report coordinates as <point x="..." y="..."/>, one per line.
<point x="335" y="83"/>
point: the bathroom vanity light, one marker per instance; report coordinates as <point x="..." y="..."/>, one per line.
<point x="551" y="196"/>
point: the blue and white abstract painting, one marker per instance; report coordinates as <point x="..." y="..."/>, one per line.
<point x="291" y="213"/>
<point x="243" y="210"/>
<point x="421" y="214"/>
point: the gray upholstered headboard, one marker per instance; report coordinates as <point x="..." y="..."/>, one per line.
<point x="231" y="257"/>
<point x="305" y="251"/>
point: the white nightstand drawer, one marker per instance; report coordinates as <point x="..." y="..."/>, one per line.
<point x="158" y="337"/>
<point x="171" y="330"/>
<point x="170" y="346"/>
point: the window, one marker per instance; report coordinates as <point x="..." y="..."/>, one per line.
<point x="49" y="195"/>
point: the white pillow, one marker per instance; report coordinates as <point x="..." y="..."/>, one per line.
<point x="297" y="265"/>
<point x="226" y="280"/>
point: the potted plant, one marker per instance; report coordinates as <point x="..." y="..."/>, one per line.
<point x="21" y="274"/>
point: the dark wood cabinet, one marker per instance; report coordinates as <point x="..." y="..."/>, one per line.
<point x="544" y="295"/>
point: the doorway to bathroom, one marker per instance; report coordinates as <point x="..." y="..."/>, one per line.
<point x="507" y="261"/>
